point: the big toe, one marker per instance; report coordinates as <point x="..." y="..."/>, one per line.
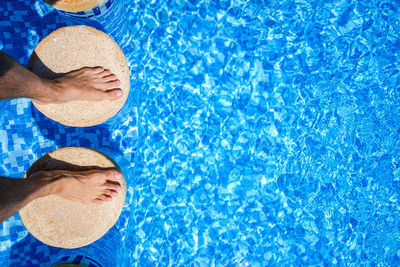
<point x="114" y="94"/>
<point x="114" y="175"/>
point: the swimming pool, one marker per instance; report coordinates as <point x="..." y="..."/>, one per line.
<point x="260" y="133"/>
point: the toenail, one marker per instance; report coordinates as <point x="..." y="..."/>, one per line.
<point x="118" y="93"/>
<point x="114" y="194"/>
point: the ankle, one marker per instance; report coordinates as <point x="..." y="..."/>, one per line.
<point x="41" y="187"/>
<point x="49" y="91"/>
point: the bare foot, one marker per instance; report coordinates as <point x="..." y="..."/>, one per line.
<point x="89" y="83"/>
<point x="94" y="186"/>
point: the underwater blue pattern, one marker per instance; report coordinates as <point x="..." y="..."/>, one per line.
<point x="267" y="134"/>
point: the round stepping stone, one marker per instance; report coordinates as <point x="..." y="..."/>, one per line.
<point x="72" y="48"/>
<point x="75" y="5"/>
<point x="59" y="222"/>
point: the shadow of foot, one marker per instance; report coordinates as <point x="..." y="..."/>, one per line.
<point x="47" y="163"/>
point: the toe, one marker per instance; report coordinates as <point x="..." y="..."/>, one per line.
<point x="111" y="193"/>
<point x="114" y="94"/>
<point x="107" y="197"/>
<point x="105" y="73"/>
<point x="109" y="78"/>
<point x="113" y="186"/>
<point x="112" y="84"/>
<point x="104" y="197"/>
<point x="114" y="175"/>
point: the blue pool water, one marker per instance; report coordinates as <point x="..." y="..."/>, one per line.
<point x="258" y="133"/>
